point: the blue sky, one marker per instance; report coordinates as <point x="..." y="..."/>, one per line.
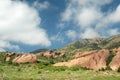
<point x="27" y="25"/>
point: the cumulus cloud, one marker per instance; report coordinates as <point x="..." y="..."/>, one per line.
<point x="90" y="33"/>
<point x="92" y="21"/>
<point x="71" y="34"/>
<point x="2" y="50"/>
<point x="58" y="37"/>
<point x="113" y="31"/>
<point x="41" y="6"/>
<point x="5" y="44"/>
<point x="111" y="18"/>
<point x="20" y="23"/>
<point x="87" y="17"/>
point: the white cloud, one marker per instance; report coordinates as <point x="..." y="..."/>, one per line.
<point x="113" y="32"/>
<point x="90" y="33"/>
<point x="6" y="44"/>
<point x="58" y="37"/>
<point x="41" y="6"/>
<point x="66" y="16"/>
<point x="2" y="50"/>
<point x="89" y="17"/>
<point x="90" y="2"/>
<point x="111" y="18"/>
<point x="115" y="16"/>
<point x="20" y="23"/>
<point x="71" y="34"/>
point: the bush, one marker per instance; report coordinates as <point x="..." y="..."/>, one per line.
<point x="19" y="69"/>
<point x="43" y="62"/>
<point x="54" y="68"/>
<point x="102" y="69"/>
<point x="108" y="68"/>
<point x="74" y="68"/>
<point x="1" y="70"/>
<point x="110" y="58"/>
<point x="118" y="69"/>
<point x="15" y="64"/>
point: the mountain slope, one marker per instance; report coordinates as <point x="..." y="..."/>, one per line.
<point x="92" y="44"/>
<point x="39" y="50"/>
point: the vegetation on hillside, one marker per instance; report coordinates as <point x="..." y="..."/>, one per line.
<point x="43" y="72"/>
<point x="92" y="44"/>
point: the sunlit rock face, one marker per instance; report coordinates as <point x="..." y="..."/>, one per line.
<point x="92" y="60"/>
<point x="25" y="58"/>
<point x="115" y="63"/>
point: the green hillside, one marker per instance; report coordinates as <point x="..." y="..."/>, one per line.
<point x="92" y="44"/>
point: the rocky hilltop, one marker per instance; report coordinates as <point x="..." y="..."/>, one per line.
<point x="92" y="44"/>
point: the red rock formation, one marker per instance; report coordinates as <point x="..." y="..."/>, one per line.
<point x="116" y="50"/>
<point x="8" y="56"/>
<point x="77" y="55"/>
<point x="115" y="63"/>
<point x="92" y="60"/>
<point x="48" y="54"/>
<point x="39" y="54"/>
<point x="24" y="58"/>
<point x="7" y="59"/>
<point x="62" y="55"/>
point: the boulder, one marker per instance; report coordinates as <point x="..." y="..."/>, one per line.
<point x="115" y="50"/>
<point x="62" y="55"/>
<point x="7" y="58"/>
<point x="39" y="54"/>
<point x="115" y="63"/>
<point x="48" y="54"/>
<point x="10" y="54"/>
<point x="77" y="54"/>
<point x="92" y="60"/>
<point x="24" y="58"/>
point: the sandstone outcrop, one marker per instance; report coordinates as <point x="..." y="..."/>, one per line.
<point x="8" y="56"/>
<point x="92" y="60"/>
<point x="115" y="63"/>
<point x="48" y="54"/>
<point x="115" y="50"/>
<point x="25" y="58"/>
<point x="62" y="55"/>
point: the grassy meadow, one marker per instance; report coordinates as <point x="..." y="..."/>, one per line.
<point x="48" y="72"/>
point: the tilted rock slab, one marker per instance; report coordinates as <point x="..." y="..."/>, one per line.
<point x="115" y="63"/>
<point x="92" y="60"/>
<point x="24" y="58"/>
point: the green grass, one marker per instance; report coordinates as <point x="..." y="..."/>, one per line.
<point x="42" y="72"/>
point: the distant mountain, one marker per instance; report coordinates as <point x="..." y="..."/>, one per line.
<point x="39" y="50"/>
<point x="88" y="44"/>
<point x="92" y="44"/>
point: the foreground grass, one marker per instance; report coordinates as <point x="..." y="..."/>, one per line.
<point x="40" y="72"/>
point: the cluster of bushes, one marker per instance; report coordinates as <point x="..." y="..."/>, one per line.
<point x="2" y="57"/>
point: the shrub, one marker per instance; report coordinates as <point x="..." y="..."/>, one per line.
<point x="39" y="72"/>
<point x="19" y="69"/>
<point x="1" y="70"/>
<point x="15" y="64"/>
<point x="54" y="68"/>
<point x="74" y="68"/>
<point x="110" y="57"/>
<point x="118" y="69"/>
